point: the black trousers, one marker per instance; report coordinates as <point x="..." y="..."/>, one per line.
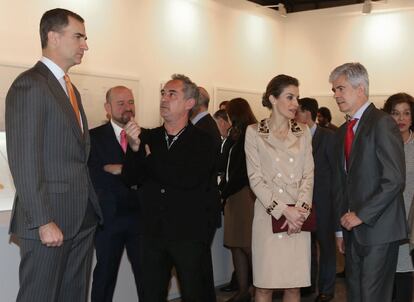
<point x="323" y="268"/>
<point x="119" y="234"/>
<point x="160" y="255"/>
<point x="210" y="291"/>
<point x="403" y="287"/>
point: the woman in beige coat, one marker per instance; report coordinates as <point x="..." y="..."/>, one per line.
<point x="280" y="169"/>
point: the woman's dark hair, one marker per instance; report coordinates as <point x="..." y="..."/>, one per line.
<point x="276" y="86"/>
<point x="241" y="116"/>
<point x="399" y="98"/>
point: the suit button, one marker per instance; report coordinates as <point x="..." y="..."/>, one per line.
<point x="162" y="191"/>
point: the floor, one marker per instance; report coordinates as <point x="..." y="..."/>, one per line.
<point x="340" y="294"/>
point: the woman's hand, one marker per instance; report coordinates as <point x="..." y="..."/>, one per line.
<point x="295" y="217"/>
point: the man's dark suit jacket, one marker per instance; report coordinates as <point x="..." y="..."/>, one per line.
<point x="174" y="184"/>
<point x="207" y="124"/>
<point x="324" y="157"/>
<point x="114" y="196"/>
<point x="373" y="187"/>
<point x="48" y="155"/>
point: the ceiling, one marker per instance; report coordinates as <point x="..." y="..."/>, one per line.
<point x="293" y="6"/>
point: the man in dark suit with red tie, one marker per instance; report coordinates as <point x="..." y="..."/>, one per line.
<point x="119" y="202"/>
<point x="369" y="183"/>
<point x="55" y="210"/>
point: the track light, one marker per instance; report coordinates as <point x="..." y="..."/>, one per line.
<point x="280" y="8"/>
<point x="366" y="7"/>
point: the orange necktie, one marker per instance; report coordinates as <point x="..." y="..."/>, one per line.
<point x="72" y="98"/>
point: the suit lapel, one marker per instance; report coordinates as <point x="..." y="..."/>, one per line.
<point x="63" y="100"/>
<point x="360" y="133"/>
<point x="113" y="144"/>
<point x="341" y="145"/>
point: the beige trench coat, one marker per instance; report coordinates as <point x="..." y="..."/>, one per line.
<point x="281" y="171"/>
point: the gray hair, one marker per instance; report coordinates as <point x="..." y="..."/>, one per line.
<point x="190" y="88"/>
<point x="355" y="73"/>
<point x="204" y="98"/>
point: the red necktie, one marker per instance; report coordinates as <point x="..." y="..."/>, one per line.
<point x="72" y="98"/>
<point x="349" y="137"/>
<point x="124" y="142"/>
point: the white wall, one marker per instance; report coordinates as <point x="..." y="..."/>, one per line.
<point x="229" y="43"/>
<point x="217" y="43"/>
<point x="383" y="41"/>
<point x="220" y="43"/>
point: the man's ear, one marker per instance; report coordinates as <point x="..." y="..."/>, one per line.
<point x="107" y="107"/>
<point x="361" y="89"/>
<point x="190" y="103"/>
<point x="52" y="38"/>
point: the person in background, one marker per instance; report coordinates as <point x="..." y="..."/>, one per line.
<point x="56" y="210"/>
<point x="323" y="267"/>
<point x="223" y="123"/>
<point x="204" y="121"/>
<point x="224" y="126"/>
<point x="280" y="169"/>
<point x="324" y="118"/>
<point x="223" y="105"/>
<point x="369" y="181"/>
<point x="119" y="203"/>
<point x="239" y="199"/>
<point x="401" y="108"/>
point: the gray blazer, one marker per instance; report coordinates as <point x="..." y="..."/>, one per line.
<point x="48" y="155"/>
<point x="373" y="187"/>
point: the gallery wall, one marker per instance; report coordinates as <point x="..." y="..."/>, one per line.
<point x="318" y="41"/>
<point x="232" y="44"/>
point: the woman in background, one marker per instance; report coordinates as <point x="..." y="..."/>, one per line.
<point x="280" y="169"/>
<point x="238" y="210"/>
<point x="401" y="108"/>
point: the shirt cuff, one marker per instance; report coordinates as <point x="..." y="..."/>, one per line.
<point x="339" y="234"/>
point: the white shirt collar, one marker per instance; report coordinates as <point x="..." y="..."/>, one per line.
<point x="359" y="114"/>
<point x="117" y="130"/>
<point x="199" y="117"/>
<point x="56" y="70"/>
<point x="313" y="129"/>
<point x="53" y="67"/>
<point x="361" y="110"/>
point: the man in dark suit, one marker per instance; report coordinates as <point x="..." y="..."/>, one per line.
<point x="175" y="167"/>
<point x="204" y="121"/>
<point x="324" y="118"/>
<point x="369" y="181"/>
<point x="55" y="209"/>
<point x="119" y="203"/>
<point x="323" y="156"/>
